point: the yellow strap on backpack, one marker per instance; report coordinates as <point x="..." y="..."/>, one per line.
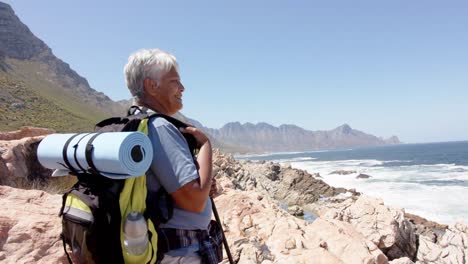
<point x="133" y="199"/>
<point x="76" y="207"/>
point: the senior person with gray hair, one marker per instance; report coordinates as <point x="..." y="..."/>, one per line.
<point x="153" y="79"/>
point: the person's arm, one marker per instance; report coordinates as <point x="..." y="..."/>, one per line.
<point x="193" y="195"/>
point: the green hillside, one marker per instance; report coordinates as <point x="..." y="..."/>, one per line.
<point x="21" y="105"/>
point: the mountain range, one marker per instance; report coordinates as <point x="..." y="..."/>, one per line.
<point x="263" y="137"/>
<point x="39" y="89"/>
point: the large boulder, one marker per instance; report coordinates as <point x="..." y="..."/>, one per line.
<point x="451" y="248"/>
<point x="29" y="227"/>
<point x="299" y="187"/>
<point x="423" y="227"/>
<point x="19" y="166"/>
<point x="385" y="226"/>
<point x="344" y="241"/>
<point x="296" y="210"/>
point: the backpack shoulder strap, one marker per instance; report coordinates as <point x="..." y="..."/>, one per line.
<point x="133" y="199"/>
<point x="132" y="110"/>
<point x="118" y="124"/>
<point x="192" y="142"/>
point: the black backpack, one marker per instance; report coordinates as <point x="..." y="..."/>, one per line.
<point x="91" y="217"/>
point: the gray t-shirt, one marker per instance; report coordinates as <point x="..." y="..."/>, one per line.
<point x="173" y="167"/>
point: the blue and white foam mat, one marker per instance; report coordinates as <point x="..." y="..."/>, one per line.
<point x="116" y="155"/>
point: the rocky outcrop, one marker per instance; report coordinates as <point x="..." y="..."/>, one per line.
<point x="451" y="248"/>
<point x="19" y="166"/>
<point x="29" y="227"/>
<point x="384" y="230"/>
<point x="385" y="226"/>
<point x="432" y="230"/>
<point x="363" y="176"/>
<point x="261" y="232"/>
<point x="25" y="132"/>
<point x="291" y="186"/>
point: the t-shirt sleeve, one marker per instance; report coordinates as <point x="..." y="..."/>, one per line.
<point x="172" y="164"/>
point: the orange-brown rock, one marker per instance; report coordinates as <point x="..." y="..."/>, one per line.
<point x="25" y="132"/>
<point x="259" y="231"/>
<point x="19" y="166"/>
<point x="29" y="227"/>
<point x="451" y="248"/>
<point x="385" y="226"/>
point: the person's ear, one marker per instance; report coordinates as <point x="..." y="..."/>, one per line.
<point x="149" y="85"/>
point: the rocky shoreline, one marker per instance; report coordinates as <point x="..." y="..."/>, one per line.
<point x="399" y="236"/>
<point x="350" y="228"/>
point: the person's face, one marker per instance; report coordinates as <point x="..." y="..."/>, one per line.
<point x="168" y="93"/>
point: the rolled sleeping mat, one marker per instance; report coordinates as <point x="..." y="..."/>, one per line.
<point x="116" y="155"/>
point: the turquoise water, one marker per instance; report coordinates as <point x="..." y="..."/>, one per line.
<point x="308" y="216"/>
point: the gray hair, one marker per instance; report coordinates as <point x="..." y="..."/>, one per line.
<point x="147" y="63"/>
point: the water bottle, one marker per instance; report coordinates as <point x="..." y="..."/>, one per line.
<point x="135" y="233"/>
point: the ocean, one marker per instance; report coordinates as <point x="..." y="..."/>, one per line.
<point x="430" y="179"/>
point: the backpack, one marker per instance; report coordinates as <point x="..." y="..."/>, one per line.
<point x="94" y="209"/>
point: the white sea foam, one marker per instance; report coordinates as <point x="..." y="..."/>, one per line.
<point x="303" y="159"/>
<point x="250" y="156"/>
<point x="300" y="159"/>
<point x="438" y="192"/>
<point x="320" y="151"/>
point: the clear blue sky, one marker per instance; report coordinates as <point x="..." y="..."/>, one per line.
<point x="384" y="67"/>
